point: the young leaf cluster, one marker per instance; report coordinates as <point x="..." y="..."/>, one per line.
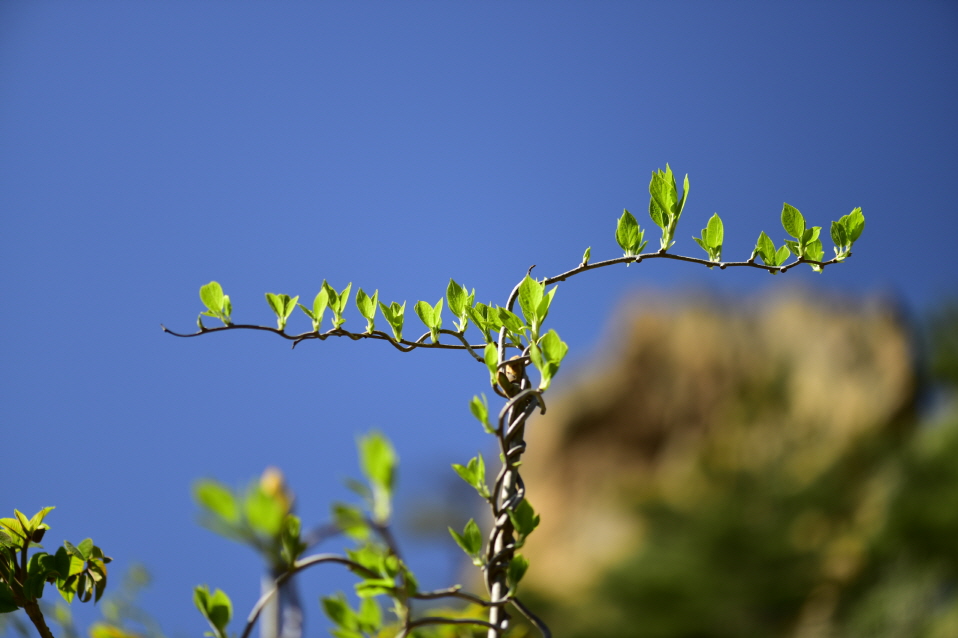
<point x="217" y="304"/>
<point x="76" y="570"/>
<point x="470" y="540"/>
<point x="350" y="623"/>
<point x="628" y="235"/>
<point x="547" y="356"/>
<point x="474" y="474"/>
<point x="258" y="515"/>
<point x="534" y="302"/>
<point x="216" y="607"/>
<point x="846" y="232"/>
<point x="665" y="205"/>
<point x="805" y="242"/>
<point x="713" y="235"/>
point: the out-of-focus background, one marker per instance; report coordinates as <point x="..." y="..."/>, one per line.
<point x="725" y="453"/>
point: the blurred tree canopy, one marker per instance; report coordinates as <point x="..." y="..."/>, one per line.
<point x="752" y="472"/>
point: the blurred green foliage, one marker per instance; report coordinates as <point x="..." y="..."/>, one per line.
<point x="866" y="549"/>
<point x="943" y="353"/>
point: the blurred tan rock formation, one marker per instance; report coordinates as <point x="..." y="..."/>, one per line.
<point x="782" y="386"/>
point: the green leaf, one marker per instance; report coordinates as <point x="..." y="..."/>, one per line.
<point x="810" y="235"/>
<point x="216" y="608"/>
<point x="663" y="191"/>
<point x="685" y="195"/>
<point x="703" y="244"/>
<point x="216" y="498"/>
<point x="586" y="255"/>
<point x="659" y="217"/>
<point x="375" y="587"/>
<point x="524" y="520"/>
<point x="474" y="473"/>
<point x="378" y="460"/>
<point x="627" y="233"/>
<point x="338" y="610"/>
<point x="283" y="306"/>
<point x="543" y="310"/>
<point x="431" y="316"/>
<point x="714" y="232"/>
<point x="480" y="408"/>
<point x="510" y="320"/>
<point x="530" y="294"/>
<point x="518" y="567"/>
<point x="344" y="297"/>
<point x="369" y="616"/>
<point x="480" y="472"/>
<point x="478" y="316"/>
<point x="264" y="513"/>
<point x="337" y="302"/>
<point x="793" y="221"/>
<point x="490" y="354"/>
<point x="466" y="472"/>
<point x="547" y="357"/>
<point x="367" y="308"/>
<point x="221" y="609"/>
<point x="14" y="527"/>
<point x="838" y="234"/>
<point x="275" y="303"/>
<point x="350" y="519"/>
<point x="369" y="556"/>
<point x="766" y="249"/>
<point x="794" y="247"/>
<point x="37" y="519"/>
<point x="470" y="541"/>
<point x="456" y="295"/>
<point x="320" y="303"/>
<point x="854" y="225"/>
<point x="212" y="297"/>
<point x="814" y="251"/>
<point x="6" y="599"/>
<point x="24" y="523"/>
<point x="394" y="314"/>
<point x="366" y="304"/>
<point x="85" y="548"/>
<point x="553" y="347"/>
<point x="781" y="255"/>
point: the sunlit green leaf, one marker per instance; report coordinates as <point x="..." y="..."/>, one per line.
<point x="216" y="498"/>
<point x="517" y="569"/>
<point x="715" y="232"/>
<point x="793" y="221"/>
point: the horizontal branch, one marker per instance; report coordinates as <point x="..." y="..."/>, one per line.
<point x="455" y="592"/>
<point x="405" y="345"/>
<point x="436" y="620"/>
<point x="661" y="254"/>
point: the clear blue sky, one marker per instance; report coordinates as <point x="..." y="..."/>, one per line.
<point x="147" y="148"/>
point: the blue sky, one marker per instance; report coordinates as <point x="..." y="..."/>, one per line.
<point x="147" y="148"/>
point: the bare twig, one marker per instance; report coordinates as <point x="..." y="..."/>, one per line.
<point x="455" y="592"/>
<point x="297" y="567"/>
<point x="535" y="620"/>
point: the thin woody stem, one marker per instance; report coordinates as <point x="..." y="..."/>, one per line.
<point x="297" y="567"/>
<point x="36" y="617"/>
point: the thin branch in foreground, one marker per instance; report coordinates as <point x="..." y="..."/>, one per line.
<point x="454" y="592"/>
<point x="297" y="567"/>
<point x="535" y="620"/>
